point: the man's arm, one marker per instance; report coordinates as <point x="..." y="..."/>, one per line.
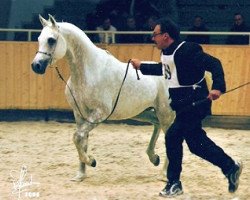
<point x="205" y="62"/>
<point x="213" y="65"/>
<point x="147" y="68"/>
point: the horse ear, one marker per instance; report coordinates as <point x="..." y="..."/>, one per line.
<point x="52" y="20"/>
<point x="43" y="21"/>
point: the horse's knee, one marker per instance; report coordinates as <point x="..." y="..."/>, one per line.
<point x="77" y="138"/>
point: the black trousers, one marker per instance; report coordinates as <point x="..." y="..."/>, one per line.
<point x="188" y="126"/>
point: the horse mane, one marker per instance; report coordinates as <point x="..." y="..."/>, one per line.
<point x="68" y="28"/>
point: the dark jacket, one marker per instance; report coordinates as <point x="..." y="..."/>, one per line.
<point x="239" y="39"/>
<point x="191" y="63"/>
<point x="200" y="39"/>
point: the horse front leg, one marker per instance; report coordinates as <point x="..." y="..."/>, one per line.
<point x="81" y="142"/>
<point x="81" y="173"/>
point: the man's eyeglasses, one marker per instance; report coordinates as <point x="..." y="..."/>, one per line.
<point x="155" y="34"/>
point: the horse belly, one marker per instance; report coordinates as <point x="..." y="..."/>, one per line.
<point x="134" y="99"/>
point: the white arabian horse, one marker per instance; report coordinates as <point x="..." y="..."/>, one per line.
<point x="96" y="77"/>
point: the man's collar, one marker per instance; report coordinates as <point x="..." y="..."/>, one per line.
<point x="171" y="48"/>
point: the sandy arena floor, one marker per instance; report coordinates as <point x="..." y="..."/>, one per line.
<point x="123" y="171"/>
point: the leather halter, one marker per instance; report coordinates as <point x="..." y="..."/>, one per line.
<point x="45" y="53"/>
<point x="51" y="55"/>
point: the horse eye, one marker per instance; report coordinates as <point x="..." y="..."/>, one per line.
<point x="51" y="41"/>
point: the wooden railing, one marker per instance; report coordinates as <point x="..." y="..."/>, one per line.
<point x="31" y="32"/>
<point x="21" y="88"/>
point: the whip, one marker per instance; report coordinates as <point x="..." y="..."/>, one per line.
<point x="196" y="103"/>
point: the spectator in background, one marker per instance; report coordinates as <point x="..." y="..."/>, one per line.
<point x="238" y="26"/>
<point x="118" y="18"/>
<point x="91" y="24"/>
<point x="149" y="26"/>
<point x="106" y="26"/>
<point x="131" y="26"/>
<point x="198" y="26"/>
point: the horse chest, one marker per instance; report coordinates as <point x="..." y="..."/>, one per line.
<point x="87" y="98"/>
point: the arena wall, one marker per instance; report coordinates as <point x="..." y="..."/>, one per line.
<point x="22" y="89"/>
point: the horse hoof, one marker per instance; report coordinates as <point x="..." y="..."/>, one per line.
<point x="93" y="164"/>
<point x="78" y="178"/>
<point x="157" y="161"/>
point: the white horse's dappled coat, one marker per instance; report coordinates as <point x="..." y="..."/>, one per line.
<point x="96" y="77"/>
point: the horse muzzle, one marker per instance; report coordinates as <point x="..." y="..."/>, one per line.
<point x="40" y="66"/>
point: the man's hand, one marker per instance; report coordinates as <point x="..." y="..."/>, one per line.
<point x="136" y="63"/>
<point x="214" y="94"/>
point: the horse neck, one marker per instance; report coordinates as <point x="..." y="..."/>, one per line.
<point x="81" y="51"/>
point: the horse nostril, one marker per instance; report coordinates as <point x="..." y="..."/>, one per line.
<point x="36" y="66"/>
<point x="39" y="67"/>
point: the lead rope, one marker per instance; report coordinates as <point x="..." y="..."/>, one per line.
<point x="116" y="101"/>
<point x="196" y="103"/>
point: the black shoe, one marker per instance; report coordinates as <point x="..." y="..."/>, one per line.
<point x="172" y="189"/>
<point x="233" y="177"/>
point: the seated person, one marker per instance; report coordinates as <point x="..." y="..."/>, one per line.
<point x="238" y="26"/>
<point x="106" y="26"/>
<point x="198" y="25"/>
<point x="130" y="38"/>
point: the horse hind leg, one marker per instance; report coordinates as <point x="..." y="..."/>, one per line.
<point x="153" y="157"/>
<point x="150" y="116"/>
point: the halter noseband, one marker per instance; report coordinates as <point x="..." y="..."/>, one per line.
<point x="45" y="53"/>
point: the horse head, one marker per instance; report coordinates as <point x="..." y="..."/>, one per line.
<point x="52" y="45"/>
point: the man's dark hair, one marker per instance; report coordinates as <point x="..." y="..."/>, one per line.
<point x="170" y="27"/>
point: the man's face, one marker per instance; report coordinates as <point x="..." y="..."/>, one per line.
<point x="159" y="38"/>
<point x="131" y="23"/>
<point x="197" y="22"/>
<point x="106" y="24"/>
<point x="238" y="20"/>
